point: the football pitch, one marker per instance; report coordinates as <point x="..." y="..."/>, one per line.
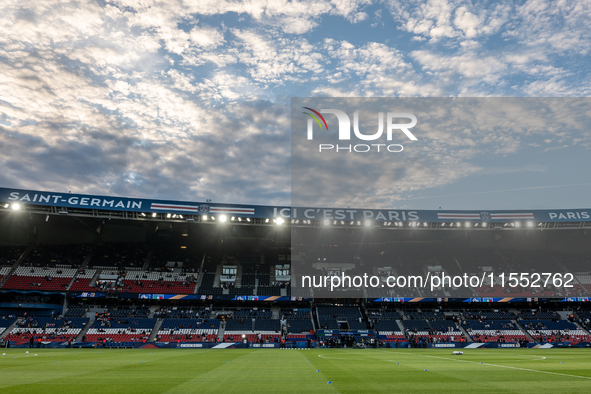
<point x="286" y="371"/>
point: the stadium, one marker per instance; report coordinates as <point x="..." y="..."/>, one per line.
<point x="150" y="291"/>
<point x="295" y="196"/>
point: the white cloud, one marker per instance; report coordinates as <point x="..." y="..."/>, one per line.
<point x="130" y="94"/>
<point x="206" y="37"/>
<point x="451" y="19"/>
<point x="469" y="65"/>
<point x="358" y="17"/>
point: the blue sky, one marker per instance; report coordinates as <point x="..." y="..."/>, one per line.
<point x="190" y="100"/>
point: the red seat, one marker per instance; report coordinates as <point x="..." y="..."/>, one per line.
<point x="83" y="284"/>
<point x="150" y="286"/>
<point x="25" y="283"/>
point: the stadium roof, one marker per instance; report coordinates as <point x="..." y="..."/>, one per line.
<point x="47" y="202"/>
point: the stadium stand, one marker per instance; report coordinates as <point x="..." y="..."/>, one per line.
<point x="108" y="328"/>
<point x="82" y="281"/>
<point x="65" y="256"/>
<point x="119" y="256"/>
<point x="26" y="278"/>
<point x="5" y="322"/>
<point x="158" y="266"/>
<point x="182" y="312"/>
<point x="188" y="330"/>
<point x="47" y="329"/>
<point x="385" y="322"/>
<point x="493" y="331"/>
<point x="10" y="255"/>
<point x="158" y="282"/>
<point x="554" y="331"/>
<point x="4" y="271"/>
<point x="334" y="317"/>
<point x="433" y="330"/>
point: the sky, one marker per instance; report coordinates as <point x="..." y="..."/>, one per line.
<point x="190" y="100"/>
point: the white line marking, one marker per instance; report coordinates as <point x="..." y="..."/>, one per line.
<point x="500" y="366"/>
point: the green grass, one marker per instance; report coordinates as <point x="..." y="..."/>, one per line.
<point x="286" y="371"/>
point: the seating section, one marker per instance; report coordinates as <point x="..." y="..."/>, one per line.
<point x="267" y="325"/>
<point x="432" y="331"/>
<point x="82" y="281"/>
<point x="384" y="321"/>
<point x="301" y="313"/>
<point x="10" y="255"/>
<point x="386" y="314"/>
<point x="75" y="311"/>
<point x="5" y="322"/>
<point x="328" y="317"/>
<point x="425" y="315"/>
<point x="239" y="336"/>
<point x="269" y="329"/>
<point x="47" y="329"/>
<point x="537" y="315"/>
<point x="299" y="325"/>
<point x="238" y="325"/>
<point x="489" y="315"/>
<point x="115" y="335"/>
<point x="119" y="255"/>
<point x="158" y="282"/>
<point x="106" y="328"/>
<point x="253" y="314"/>
<point x="26" y="278"/>
<point x="388" y="327"/>
<point x="188" y="330"/>
<point x="494" y="331"/>
<point x="182" y="313"/>
<point x="4" y="271"/>
<point x="126" y="324"/>
<point x="185" y="336"/>
<point x="269" y="291"/>
<point x="209" y="325"/>
<point x="123" y="312"/>
<point x="207" y="284"/>
<point x="68" y="256"/>
<point x="396" y="336"/>
<point x="554" y="331"/>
